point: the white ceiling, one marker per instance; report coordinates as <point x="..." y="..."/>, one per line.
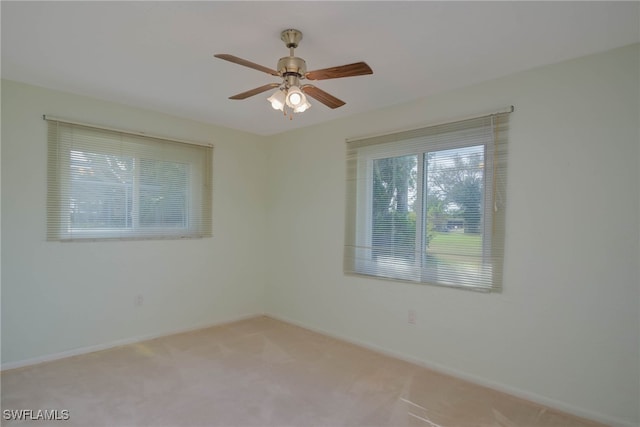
<point x="159" y="55"/>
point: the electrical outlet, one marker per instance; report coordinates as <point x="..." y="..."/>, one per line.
<point x="411" y="319"/>
<point x="138" y="300"/>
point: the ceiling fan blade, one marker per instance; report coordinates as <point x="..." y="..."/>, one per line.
<point x="246" y="63"/>
<point x="249" y="93"/>
<point x="349" y="70"/>
<point x="322" y="96"/>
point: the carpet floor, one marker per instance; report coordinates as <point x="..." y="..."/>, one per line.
<point x="257" y="372"/>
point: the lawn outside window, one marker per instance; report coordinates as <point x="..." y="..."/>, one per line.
<point x="106" y="184"/>
<point x="427" y="205"/>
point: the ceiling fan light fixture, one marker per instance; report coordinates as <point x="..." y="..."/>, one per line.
<point x="295" y="97"/>
<point x="277" y="100"/>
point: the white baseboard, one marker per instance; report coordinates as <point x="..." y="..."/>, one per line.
<point x="523" y="394"/>
<point x="117" y="343"/>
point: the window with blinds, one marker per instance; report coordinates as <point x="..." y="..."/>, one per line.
<point x="108" y="184"/>
<point x="428" y="205"/>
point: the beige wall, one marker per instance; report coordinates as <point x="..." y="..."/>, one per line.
<point x="58" y="297"/>
<point x="566" y="330"/>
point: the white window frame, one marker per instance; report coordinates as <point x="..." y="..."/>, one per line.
<point x="361" y="261"/>
<point x="60" y="173"/>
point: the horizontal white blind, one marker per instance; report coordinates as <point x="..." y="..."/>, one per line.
<point x="427" y="205"/>
<point x="107" y="184"/>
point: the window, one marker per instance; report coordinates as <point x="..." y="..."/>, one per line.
<point x="106" y="184"/>
<point x="427" y="205"/>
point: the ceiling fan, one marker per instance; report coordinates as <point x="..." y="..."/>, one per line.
<point x="292" y="69"/>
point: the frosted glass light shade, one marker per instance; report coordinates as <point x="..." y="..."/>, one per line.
<point x="277" y="100"/>
<point x="304" y="106"/>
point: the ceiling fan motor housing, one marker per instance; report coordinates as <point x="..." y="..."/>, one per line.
<point x="292" y="65"/>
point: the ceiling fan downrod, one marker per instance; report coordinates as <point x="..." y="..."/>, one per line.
<point x="291" y="65"/>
